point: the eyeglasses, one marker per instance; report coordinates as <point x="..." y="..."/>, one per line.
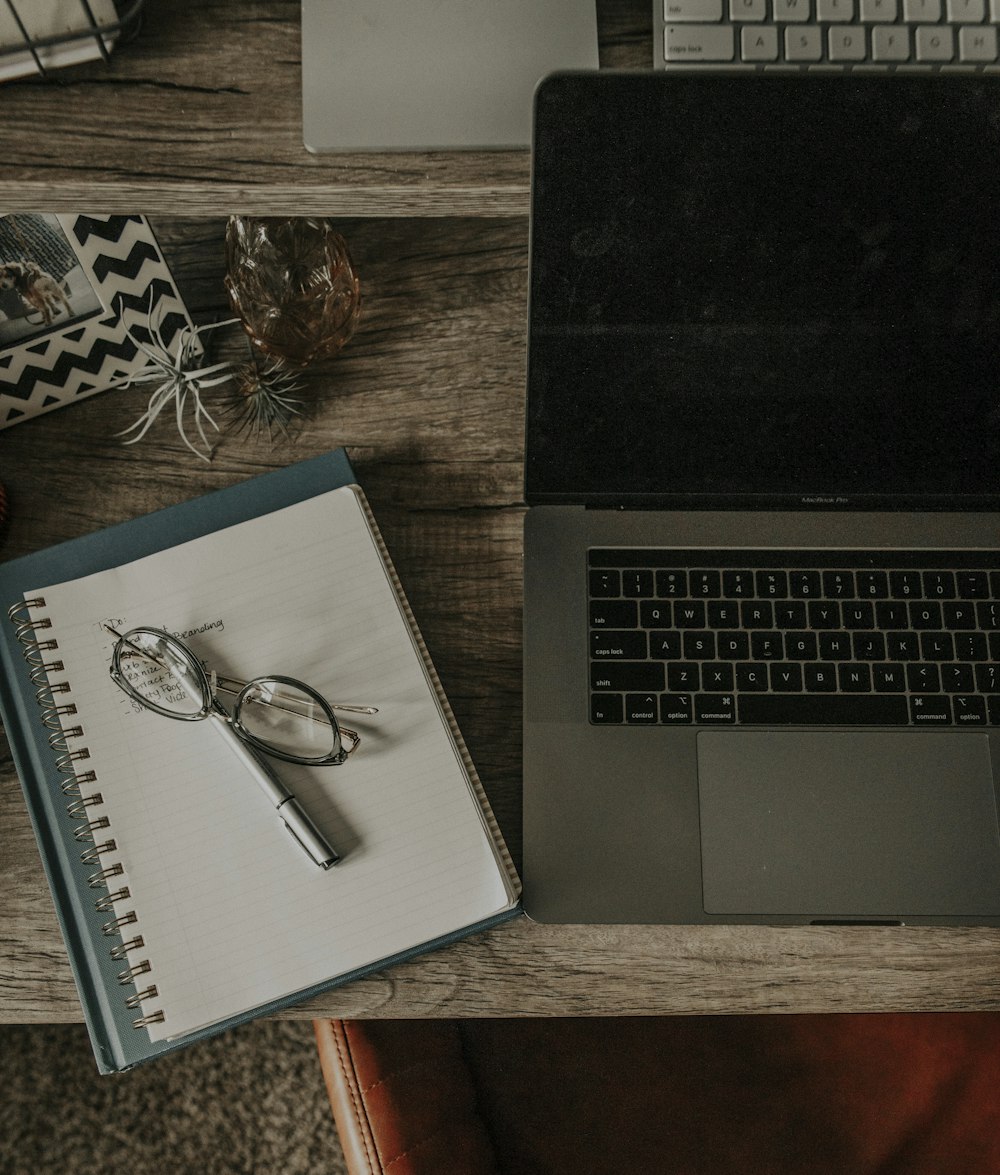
<point x="276" y="715"/>
<point x="280" y="716"/>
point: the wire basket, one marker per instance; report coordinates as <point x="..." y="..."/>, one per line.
<point x="36" y="48"/>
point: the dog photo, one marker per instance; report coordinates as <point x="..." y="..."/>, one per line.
<point x="43" y="287"/>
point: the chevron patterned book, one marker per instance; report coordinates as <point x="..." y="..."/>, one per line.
<point x="77" y="296"/>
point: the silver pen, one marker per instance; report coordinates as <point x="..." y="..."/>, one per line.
<point x="290" y="811"/>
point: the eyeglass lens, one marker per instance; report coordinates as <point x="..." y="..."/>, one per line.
<point x="162" y="674"/>
<point x="282" y="716"/>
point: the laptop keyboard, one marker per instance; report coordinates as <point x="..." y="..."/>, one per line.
<point x="793" y="638"/>
<point x="885" y="34"/>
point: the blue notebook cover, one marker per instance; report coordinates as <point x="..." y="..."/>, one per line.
<point x="117" y="1044"/>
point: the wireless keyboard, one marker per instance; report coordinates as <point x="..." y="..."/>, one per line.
<point x="918" y="35"/>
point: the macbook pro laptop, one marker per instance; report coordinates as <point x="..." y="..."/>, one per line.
<point x="421" y="74"/>
<point x="762" y="551"/>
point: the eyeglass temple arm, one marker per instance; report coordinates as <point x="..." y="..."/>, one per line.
<point x="232" y="685"/>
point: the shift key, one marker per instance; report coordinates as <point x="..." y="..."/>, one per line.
<point x="698" y="42"/>
<point x="639" y="677"/>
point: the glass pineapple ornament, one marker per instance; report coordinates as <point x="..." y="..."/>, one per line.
<point x="292" y="284"/>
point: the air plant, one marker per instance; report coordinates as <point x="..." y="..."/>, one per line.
<point x="178" y="379"/>
<point x="265" y="398"/>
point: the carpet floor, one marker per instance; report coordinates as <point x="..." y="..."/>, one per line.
<point x="250" y="1101"/>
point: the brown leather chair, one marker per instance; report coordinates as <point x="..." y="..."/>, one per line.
<point x="892" y="1094"/>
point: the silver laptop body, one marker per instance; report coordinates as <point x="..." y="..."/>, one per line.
<point x="764" y="335"/>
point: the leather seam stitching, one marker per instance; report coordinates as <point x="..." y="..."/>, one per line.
<point x="423" y="1063"/>
<point x="355" y="1105"/>
<point x="416" y="1146"/>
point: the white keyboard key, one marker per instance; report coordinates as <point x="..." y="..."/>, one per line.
<point x="922" y="11"/>
<point x="747" y="9"/>
<point x="840" y="11"/>
<point x="847" y="43"/>
<point x="995" y="11"/>
<point x="935" y="43"/>
<point x="878" y="11"/>
<point x="890" y="43"/>
<point x="803" y="44"/>
<point x="792" y="10"/>
<point x="977" y="44"/>
<point x="759" y="44"/>
<point x="966" y="11"/>
<point x="698" y="42"/>
<point x="698" y="10"/>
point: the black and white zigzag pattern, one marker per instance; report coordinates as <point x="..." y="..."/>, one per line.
<point x="132" y="279"/>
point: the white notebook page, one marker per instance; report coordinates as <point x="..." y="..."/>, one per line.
<point x="232" y="911"/>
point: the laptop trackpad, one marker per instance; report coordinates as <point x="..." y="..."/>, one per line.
<point x="858" y="824"/>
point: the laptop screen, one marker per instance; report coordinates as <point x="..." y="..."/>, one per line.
<point x="771" y="290"/>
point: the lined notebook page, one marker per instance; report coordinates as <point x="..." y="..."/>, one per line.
<point x="232" y="911"/>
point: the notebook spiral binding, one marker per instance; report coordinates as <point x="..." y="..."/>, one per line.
<point x="84" y="800"/>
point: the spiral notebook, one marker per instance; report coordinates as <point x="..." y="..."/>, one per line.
<point x="185" y="906"/>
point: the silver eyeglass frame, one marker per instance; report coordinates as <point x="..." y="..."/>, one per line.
<point x="208" y="683"/>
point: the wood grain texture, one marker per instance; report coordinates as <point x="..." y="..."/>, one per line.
<point x="201" y="114"/>
<point x="429" y="400"/>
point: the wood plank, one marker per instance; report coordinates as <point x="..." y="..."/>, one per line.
<point x="201" y="114"/>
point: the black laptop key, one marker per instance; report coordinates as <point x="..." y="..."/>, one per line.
<point x="873" y="585"/>
<point x="972" y="585"/>
<point x="723" y="614"/>
<point x="959" y="615"/>
<point x="605" y="583"/>
<point x="971" y="646"/>
<point x="821" y="677"/>
<point x="958" y="679"/>
<point x="930" y="710"/>
<point x="618" y="644"/>
<point x="637" y="583"/>
<point x="822" y="710"/>
<point x="718" y="676"/>
<point x="642" y="709"/>
<point x="804" y="585"/>
<point x="613" y="614"/>
<point x="969" y="709"/>
<point x="790" y="614"/>
<point x="786" y="677"/>
<point x="671" y="584"/>
<point x="714" y="709"/>
<point x="689" y="614"/>
<point x="989" y="615"/>
<point x="939" y="585"/>
<point x="706" y="584"/>
<point x="633" y="676"/>
<point x="738" y="585"/>
<point x="606" y="708"/>
<point x="676" y="709"/>
<point x="858" y="614"/>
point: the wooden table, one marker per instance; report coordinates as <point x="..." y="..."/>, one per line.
<point x="197" y="119"/>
